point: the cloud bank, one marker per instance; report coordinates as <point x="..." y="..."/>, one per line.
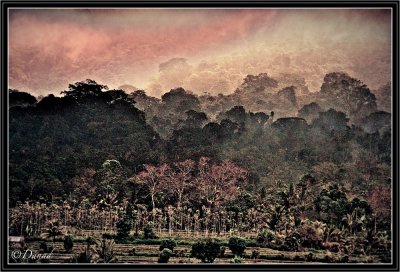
<point x="203" y="50"/>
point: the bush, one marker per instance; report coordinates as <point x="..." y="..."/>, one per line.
<point x="265" y="237"/>
<point x="293" y="241"/>
<point x="206" y="250"/>
<point x="237" y="245"/>
<point x="255" y="254"/>
<point x="165" y="255"/>
<point x="108" y="236"/>
<point x="149" y="231"/>
<point x="222" y="252"/>
<point x="168" y="243"/>
<point x="43" y="246"/>
<point x="68" y="243"/>
<point x="123" y="229"/>
<point x="309" y="257"/>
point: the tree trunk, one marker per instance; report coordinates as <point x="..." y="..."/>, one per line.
<point x="179" y="200"/>
<point x="153" y="208"/>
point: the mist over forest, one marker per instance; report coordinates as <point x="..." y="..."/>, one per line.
<point x="272" y="155"/>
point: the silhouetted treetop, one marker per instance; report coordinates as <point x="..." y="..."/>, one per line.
<point x="258" y="83"/>
<point x="259" y="117"/>
<point x="180" y="100"/>
<point x="83" y="89"/>
<point x="113" y="96"/>
<point x="347" y="94"/>
<point x="17" y="98"/>
<point x="195" y="118"/>
<point x="53" y="103"/>
<point x="236" y="114"/>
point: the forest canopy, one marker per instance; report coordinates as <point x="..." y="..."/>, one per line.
<point x="285" y="154"/>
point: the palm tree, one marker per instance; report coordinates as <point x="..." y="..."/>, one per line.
<point x="349" y="220"/>
<point x="89" y="255"/>
<point x="104" y="249"/>
<point x="53" y="231"/>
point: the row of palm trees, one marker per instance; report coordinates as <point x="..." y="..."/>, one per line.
<point x="34" y="219"/>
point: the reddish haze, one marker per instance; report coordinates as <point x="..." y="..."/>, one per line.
<point x="50" y="48"/>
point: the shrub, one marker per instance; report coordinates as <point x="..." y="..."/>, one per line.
<point x="84" y="257"/>
<point x="43" y="246"/>
<point x="168" y="243"/>
<point x="149" y="231"/>
<point x="237" y="245"/>
<point x="105" y="249"/>
<point x="255" y="254"/>
<point x="165" y="255"/>
<point x="108" y="236"/>
<point x="222" y="252"/>
<point x="123" y="229"/>
<point x="293" y="241"/>
<point x="206" y="250"/>
<point x="309" y="257"/>
<point x="68" y="243"/>
<point x="265" y="237"/>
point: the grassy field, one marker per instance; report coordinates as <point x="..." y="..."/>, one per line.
<point x="147" y="251"/>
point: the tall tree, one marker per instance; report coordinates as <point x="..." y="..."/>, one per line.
<point x="219" y="182"/>
<point x="154" y="178"/>
<point x="180" y="179"/>
<point x="347" y="94"/>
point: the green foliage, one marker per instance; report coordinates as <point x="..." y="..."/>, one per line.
<point x="17" y="98"/>
<point x="165" y="255"/>
<point x="68" y="243"/>
<point x="105" y="249"/>
<point x="222" y="252"/>
<point x="237" y="245"/>
<point x="317" y="183"/>
<point x="168" y="243"/>
<point x="206" y="250"/>
<point x="242" y="202"/>
<point x="265" y="237"/>
<point x="66" y="136"/>
<point x="293" y="241"/>
<point x="123" y="228"/>
<point x="148" y="231"/>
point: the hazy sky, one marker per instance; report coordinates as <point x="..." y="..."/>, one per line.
<point x="203" y="50"/>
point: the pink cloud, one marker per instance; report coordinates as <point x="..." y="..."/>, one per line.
<point x="43" y="46"/>
<point x="51" y="48"/>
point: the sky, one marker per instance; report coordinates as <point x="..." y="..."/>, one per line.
<point x="202" y="50"/>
